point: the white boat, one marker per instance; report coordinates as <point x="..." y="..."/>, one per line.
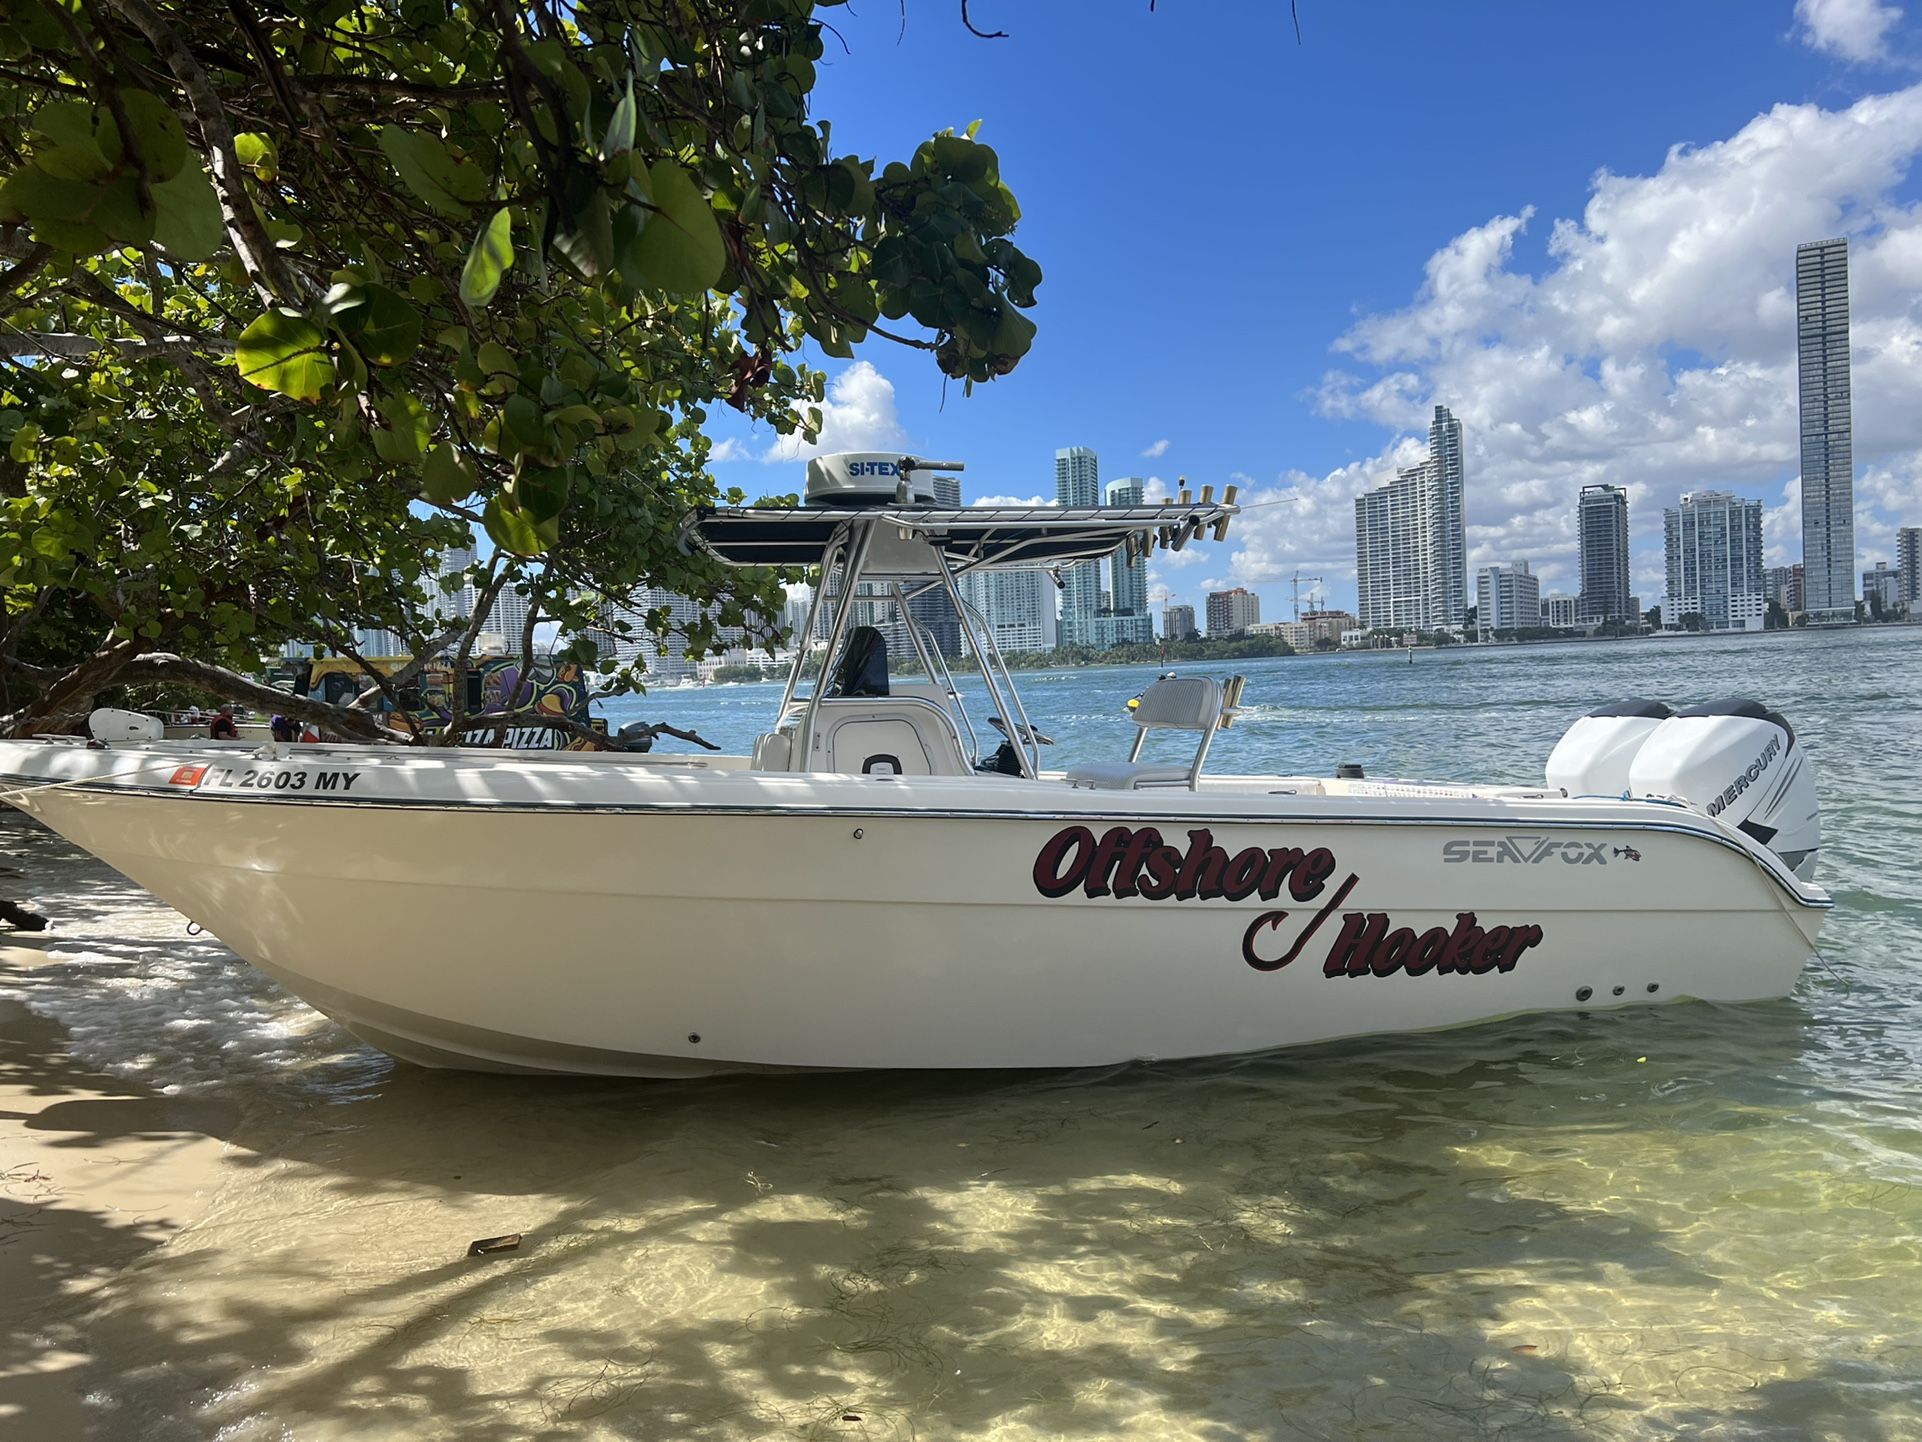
<point x="859" y="892"/>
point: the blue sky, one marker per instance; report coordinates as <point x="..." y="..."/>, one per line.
<point x="1265" y="261"/>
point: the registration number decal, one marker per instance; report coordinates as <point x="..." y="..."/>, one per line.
<point x="262" y="778"/>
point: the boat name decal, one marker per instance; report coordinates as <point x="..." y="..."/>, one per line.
<point x="1747" y="778"/>
<point x="266" y="779"/>
<point x="1134" y="861"/>
<point x="1366" y="946"/>
<point x="1129" y="861"/>
<point x="1528" y="849"/>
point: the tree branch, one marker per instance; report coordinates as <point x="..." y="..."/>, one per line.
<point x="270" y="279"/>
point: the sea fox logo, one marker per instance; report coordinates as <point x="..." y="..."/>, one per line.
<point x="1526" y="851"/>
<point x="1628" y="851"/>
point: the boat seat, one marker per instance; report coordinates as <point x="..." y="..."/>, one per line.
<point x="1174" y="703"/>
<point x="891" y="735"/>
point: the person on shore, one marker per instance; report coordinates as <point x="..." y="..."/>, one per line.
<point x="222" y="727"/>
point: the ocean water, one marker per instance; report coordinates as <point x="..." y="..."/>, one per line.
<point x="1687" y="1221"/>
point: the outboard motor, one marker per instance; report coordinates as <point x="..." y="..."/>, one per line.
<point x="108" y="723"/>
<point x="1738" y="761"/>
<point x="1593" y="756"/>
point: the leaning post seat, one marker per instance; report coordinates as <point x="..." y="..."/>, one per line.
<point x="1174" y="703"/>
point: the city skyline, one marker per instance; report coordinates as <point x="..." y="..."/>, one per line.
<point x="1602" y="294"/>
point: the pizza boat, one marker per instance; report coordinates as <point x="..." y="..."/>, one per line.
<point x="888" y="881"/>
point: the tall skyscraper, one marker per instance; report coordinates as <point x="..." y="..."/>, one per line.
<point x="1411" y="547"/>
<point x="1446" y="532"/>
<point x="1178" y="623"/>
<point x="1828" y="455"/>
<point x="448" y="596"/>
<point x="1507" y="598"/>
<point x="947" y="490"/>
<point x="1908" y="560"/>
<point x="1077" y="482"/>
<point x="1602" y="521"/>
<point x="1712" y="543"/>
<point x="1128" y="576"/>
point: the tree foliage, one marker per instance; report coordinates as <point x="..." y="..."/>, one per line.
<point x="295" y="297"/>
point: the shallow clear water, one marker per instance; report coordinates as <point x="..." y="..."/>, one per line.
<point x="1686" y="1221"/>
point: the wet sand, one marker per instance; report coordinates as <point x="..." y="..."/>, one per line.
<point x="96" y="1172"/>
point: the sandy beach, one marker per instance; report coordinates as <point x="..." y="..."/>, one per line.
<point x="96" y="1171"/>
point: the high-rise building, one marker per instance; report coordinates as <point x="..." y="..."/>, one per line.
<point x="1410" y="542"/>
<point x="1828" y="456"/>
<point x="1018" y="607"/>
<point x="947" y="491"/>
<point x="1231" y="612"/>
<point x="1128" y="575"/>
<point x="1507" y="598"/>
<point x="1783" y="585"/>
<point x="1558" y="610"/>
<point x="1602" y="521"/>
<point x="1712" y="543"/>
<point x="508" y="617"/>
<point x="380" y="643"/>
<point x="1882" y="591"/>
<point x="667" y="660"/>
<point x="1077" y="482"/>
<point x="1178" y="622"/>
<point x="450" y="596"/>
<point x="1908" y="561"/>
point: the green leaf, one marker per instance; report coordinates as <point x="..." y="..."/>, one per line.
<point x="510" y="529"/>
<point x="118" y="211"/>
<point x="158" y="142"/>
<point x="488" y="261"/>
<point x="541" y="492"/>
<point x="66" y="122"/>
<point x="257" y="153"/>
<point x="187" y="220"/>
<point x="26" y="443"/>
<point x="620" y="130"/>
<point x="444" y="183"/>
<point x="32" y="194"/>
<point x="79" y="161"/>
<point x="284" y="351"/>
<point x="445" y="477"/>
<point x="680" y="249"/>
<point x="381" y="323"/>
<point x="409" y="426"/>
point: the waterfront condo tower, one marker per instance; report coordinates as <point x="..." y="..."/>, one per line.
<point x="1507" y="598"/>
<point x="1077" y="482"/>
<point x="1908" y="560"/>
<point x="1411" y="550"/>
<point x="1828" y="455"/>
<point x="1602" y="520"/>
<point x="1712" y="546"/>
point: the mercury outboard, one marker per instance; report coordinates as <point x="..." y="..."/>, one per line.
<point x="1734" y="759"/>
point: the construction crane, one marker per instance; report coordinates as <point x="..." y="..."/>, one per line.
<point x="1299" y="578"/>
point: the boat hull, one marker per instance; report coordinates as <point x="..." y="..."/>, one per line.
<point x="733" y="923"/>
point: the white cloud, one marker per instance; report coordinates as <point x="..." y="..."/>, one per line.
<point x="1655" y="348"/>
<point x="732" y="448"/>
<point x="1012" y="501"/>
<point x="1853" y="29"/>
<point x="858" y="415"/>
<point x="1156" y="451"/>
